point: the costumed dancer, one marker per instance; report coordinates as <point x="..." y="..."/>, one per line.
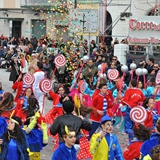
<point x="66" y="149"/>
<point x="118" y="93"/>
<point x="152" y="142"/>
<point x="7" y="105"/>
<point x="141" y="87"/>
<point x="1" y="92"/>
<point x="13" y="142"/>
<point x="152" y="117"/>
<point x="141" y="134"/>
<point x="21" y="87"/>
<point x="70" y="120"/>
<point x="102" y="105"/>
<point x="31" y="107"/>
<point x="37" y="136"/>
<point x="104" y="145"/>
<point x="132" y="97"/>
<point x="38" y="76"/>
<point x="156" y="93"/>
<point x="58" y="97"/>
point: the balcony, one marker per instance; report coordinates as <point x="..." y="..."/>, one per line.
<point x="37" y="3"/>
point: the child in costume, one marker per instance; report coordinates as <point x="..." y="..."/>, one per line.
<point x="104" y="145"/>
<point x="152" y="117"/>
<point x="66" y="150"/>
<point x="141" y="134"/>
<point x="102" y="105"/>
<point x="32" y="106"/>
<point x="13" y="142"/>
<point x="132" y="97"/>
<point x="152" y="142"/>
<point x="37" y="137"/>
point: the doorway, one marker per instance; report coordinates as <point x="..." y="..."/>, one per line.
<point x="16" y="28"/>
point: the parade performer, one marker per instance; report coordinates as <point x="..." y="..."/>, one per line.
<point x="57" y="109"/>
<point x="1" y="92"/>
<point x="118" y="93"/>
<point x="102" y="105"/>
<point x="38" y="76"/>
<point x="156" y="93"/>
<point x="66" y="149"/>
<point x="37" y="136"/>
<point x="141" y="134"/>
<point x="13" y="142"/>
<point x="29" y="107"/>
<point x="7" y="105"/>
<point x="152" y="118"/>
<point x="132" y="97"/>
<point x="152" y="142"/>
<point x="104" y="145"/>
<point x="70" y="120"/>
<point x="21" y="87"/>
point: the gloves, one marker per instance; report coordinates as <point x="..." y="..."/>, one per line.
<point x="44" y="130"/>
<point x="34" y="121"/>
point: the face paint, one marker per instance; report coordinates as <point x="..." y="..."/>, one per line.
<point x="108" y="127"/>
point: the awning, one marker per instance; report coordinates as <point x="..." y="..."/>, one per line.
<point x="10" y="18"/>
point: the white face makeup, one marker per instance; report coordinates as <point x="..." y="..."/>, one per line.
<point x="107" y="126"/>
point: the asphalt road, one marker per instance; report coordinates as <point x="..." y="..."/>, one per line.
<point x="46" y="153"/>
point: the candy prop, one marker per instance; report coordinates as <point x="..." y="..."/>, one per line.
<point x="85" y="60"/>
<point x="60" y="60"/>
<point x="81" y="86"/>
<point x="45" y="85"/>
<point x="102" y="75"/>
<point x="77" y="103"/>
<point x="28" y="79"/>
<point x="133" y="66"/>
<point x="158" y="78"/>
<point x="144" y="72"/>
<point x="124" y="69"/>
<point x="113" y="74"/>
<point x="138" y="114"/>
<point x="138" y="73"/>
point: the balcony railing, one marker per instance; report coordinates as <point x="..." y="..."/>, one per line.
<point x="25" y="3"/>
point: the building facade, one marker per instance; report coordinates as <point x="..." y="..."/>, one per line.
<point x="35" y="18"/>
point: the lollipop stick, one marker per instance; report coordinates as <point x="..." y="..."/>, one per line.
<point x="132" y="74"/>
<point x="137" y="78"/>
<point x="53" y="74"/>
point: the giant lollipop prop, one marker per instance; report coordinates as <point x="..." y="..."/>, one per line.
<point x="138" y="114"/>
<point x="157" y="82"/>
<point x="113" y="74"/>
<point x="133" y="66"/>
<point x="28" y="79"/>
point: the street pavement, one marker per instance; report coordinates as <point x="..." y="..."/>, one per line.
<point x="46" y="153"/>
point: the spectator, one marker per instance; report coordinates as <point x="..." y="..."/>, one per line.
<point x="150" y="65"/>
<point x="1" y="92"/>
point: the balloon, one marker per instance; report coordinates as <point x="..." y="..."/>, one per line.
<point x="139" y="71"/>
<point x="99" y="67"/>
<point x="144" y="71"/>
<point x="101" y="75"/>
<point x="133" y="66"/>
<point x="85" y="59"/>
<point x="124" y="68"/>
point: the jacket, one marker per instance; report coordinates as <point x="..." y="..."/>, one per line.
<point x="97" y="104"/>
<point x="62" y="153"/>
<point x="102" y="151"/>
<point x="72" y="121"/>
<point x="149" y="144"/>
<point x="22" y="148"/>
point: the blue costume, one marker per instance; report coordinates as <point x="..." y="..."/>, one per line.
<point x="3" y="125"/>
<point x="149" y="90"/>
<point x="64" y="153"/>
<point x="1" y="92"/>
<point x="149" y="144"/>
<point x="13" y="149"/>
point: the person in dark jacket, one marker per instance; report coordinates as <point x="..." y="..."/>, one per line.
<point x="70" y="120"/>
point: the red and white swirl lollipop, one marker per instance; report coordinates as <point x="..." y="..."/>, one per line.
<point x="138" y="114"/>
<point x="82" y="86"/>
<point x="60" y="60"/>
<point x="28" y="79"/>
<point x="45" y="85"/>
<point x="113" y="74"/>
<point x="158" y="78"/>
